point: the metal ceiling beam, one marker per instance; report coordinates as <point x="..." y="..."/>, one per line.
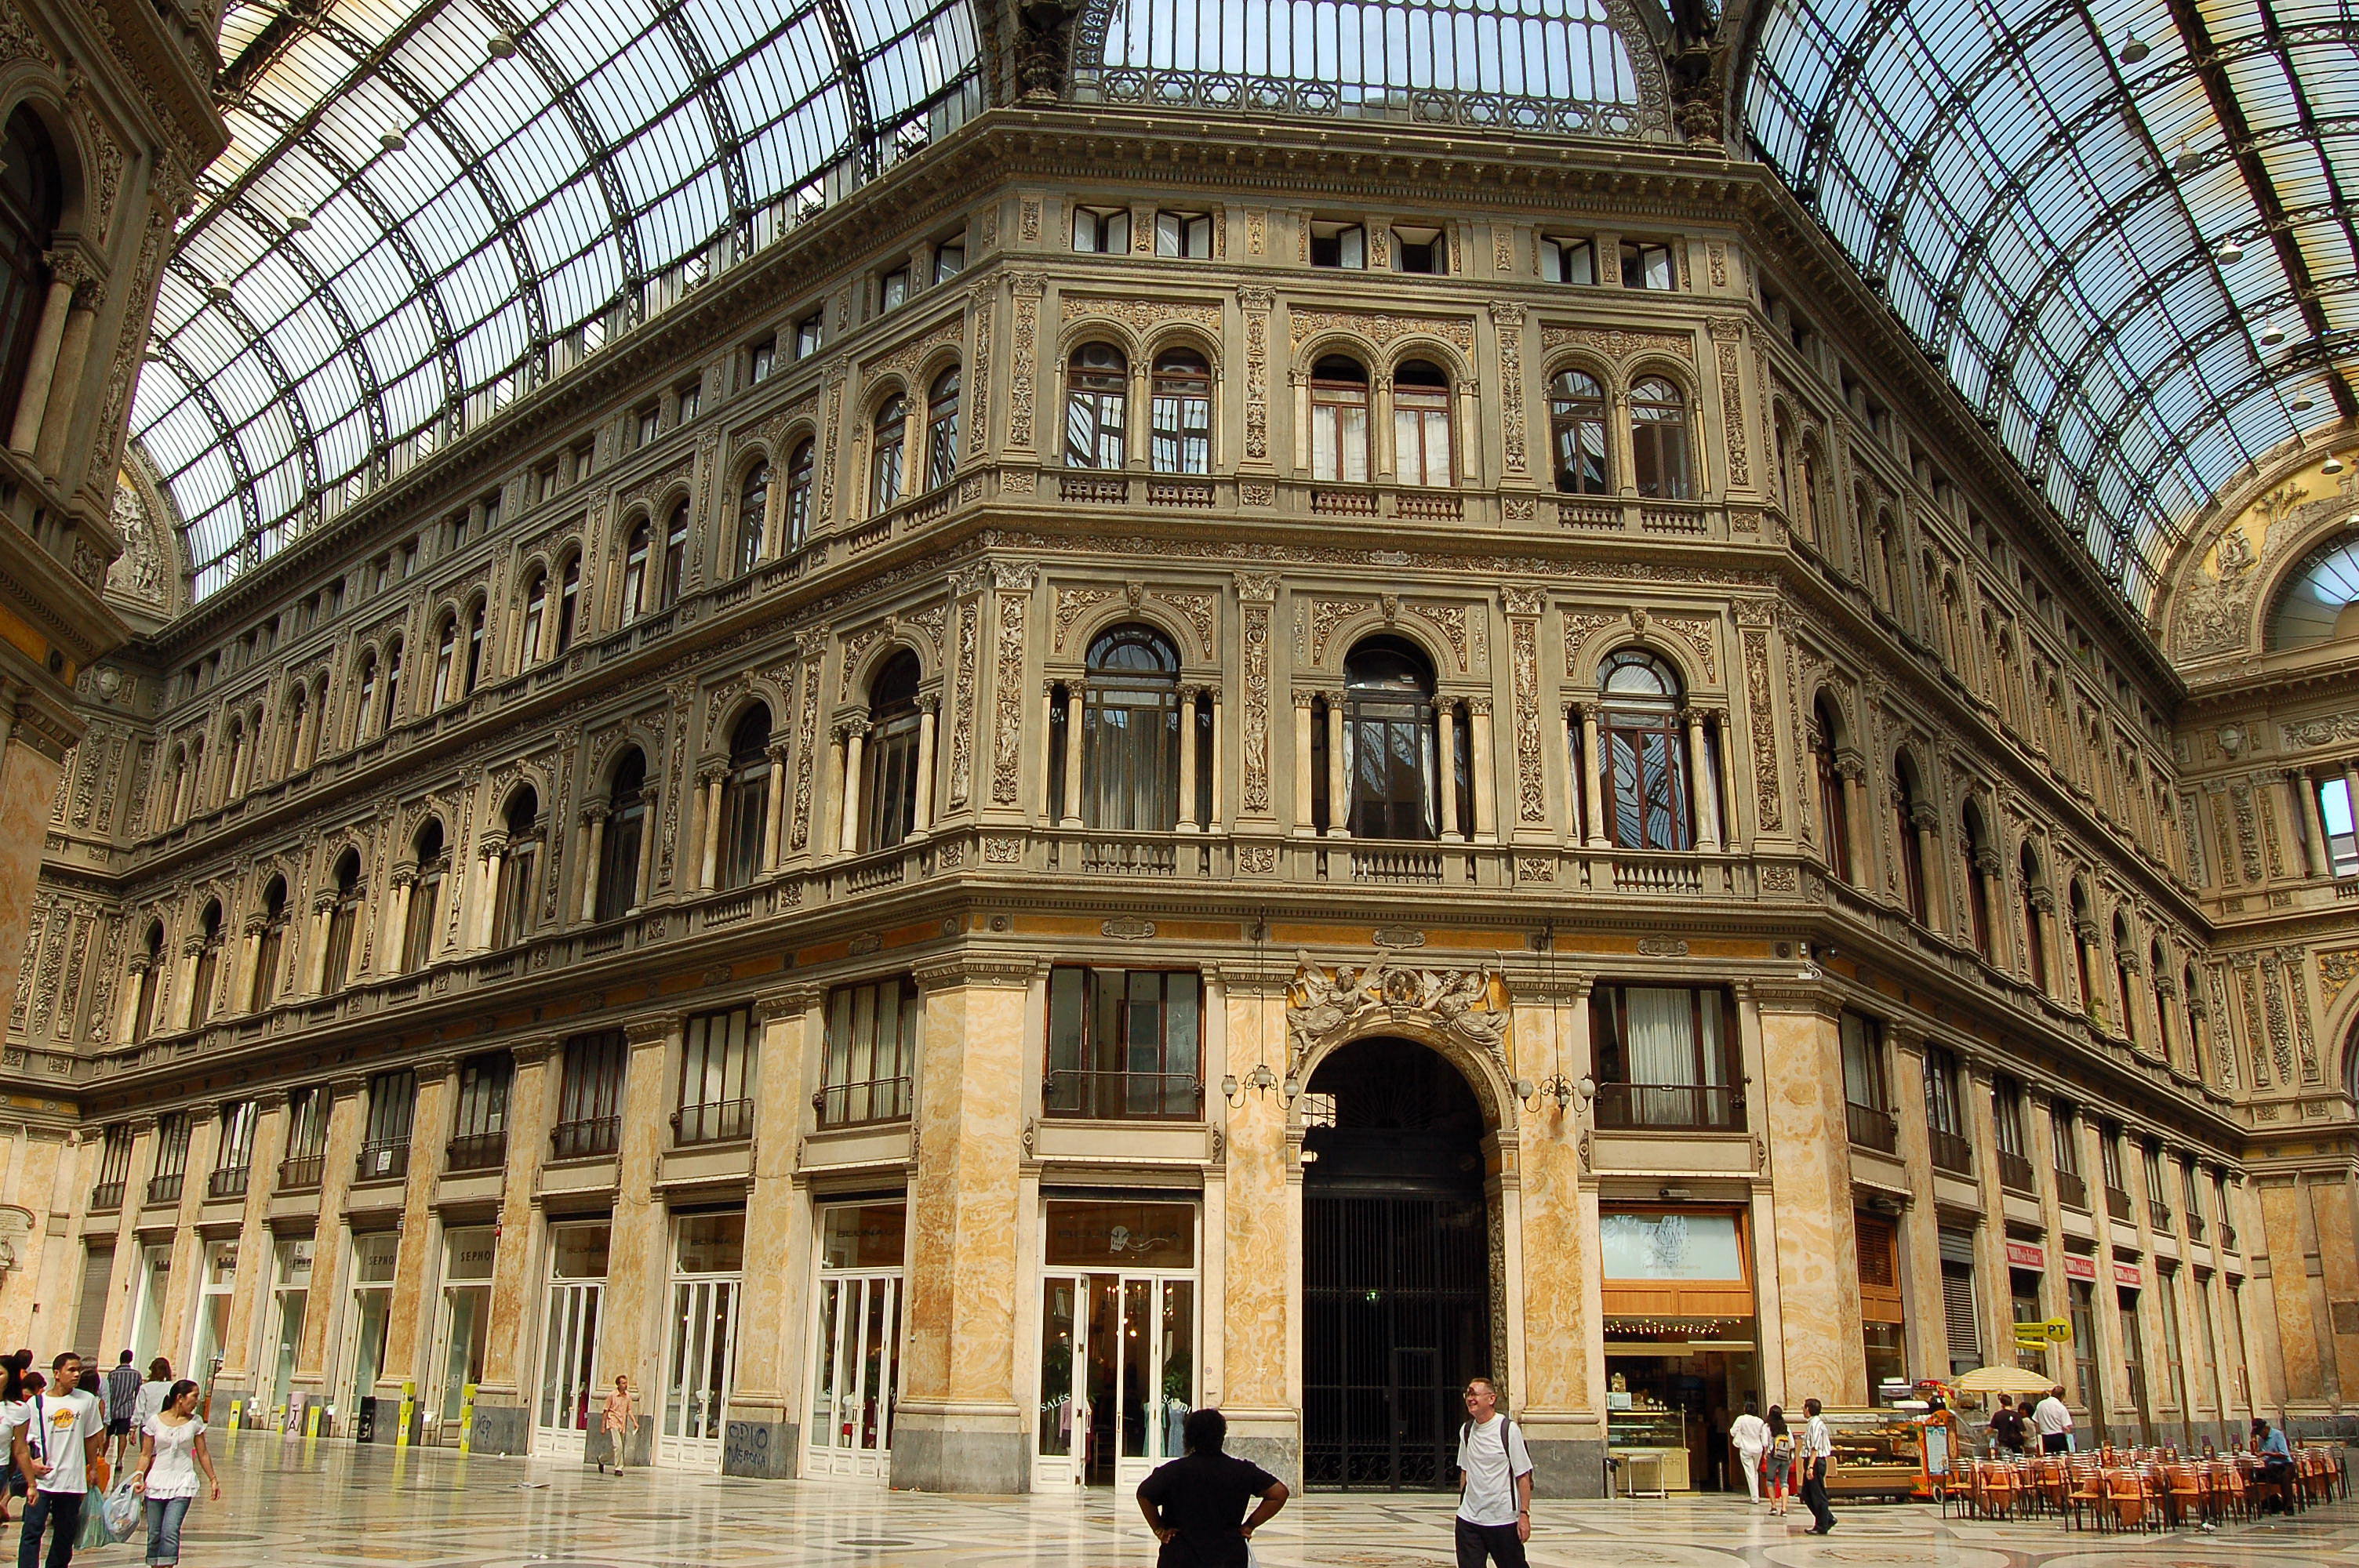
<point x="348" y="335"/>
<point x="226" y="440"/>
<point x="2187" y="16"/>
<point x="306" y="441"/>
<point x="727" y="146"/>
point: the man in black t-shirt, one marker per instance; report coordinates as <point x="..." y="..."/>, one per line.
<point x="1195" y="1503"/>
<point x="2007" y="1428"/>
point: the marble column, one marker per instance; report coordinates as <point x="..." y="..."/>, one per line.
<point x="1447" y="773"/>
<point x="66" y="383"/>
<point x="1592" y="802"/>
<point x="638" y="1266"/>
<point x="2297" y="817"/>
<point x="963" y="1425"/>
<point x="1925" y="1323"/>
<point x="126" y="1022"/>
<point x="594" y="857"/>
<point x="1186" y="818"/>
<point x="1306" y="821"/>
<point x="2043" y="909"/>
<point x="923" y="818"/>
<point x="1925" y="822"/>
<point x="390" y="956"/>
<point x="1853" y="771"/>
<point x="1801" y="1111"/>
<point x="329" y="1263"/>
<point x="410" y="1323"/>
<point x="249" y="957"/>
<point x="1339" y="782"/>
<point x="1560" y="1403"/>
<point x="184" y="1004"/>
<point x="1487" y="778"/>
<point x="1217" y="817"/>
<point x="766" y="1405"/>
<point x="774" y="808"/>
<point x="708" y="857"/>
<point x="40" y="371"/>
<point x="1260" y="1237"/>
<point x="496" y="853"/>
<point x="315" y="958"/>
<point x="1075" y="714"/>
<point x="242" y="1349"/>
<point x="1704" y="785"/>
<point x="856" y="743"/>
<point x="503" y="1409"/>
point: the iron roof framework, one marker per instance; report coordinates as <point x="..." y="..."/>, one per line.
<point x="431" y="206"/>
<point x="2140" y="267"/>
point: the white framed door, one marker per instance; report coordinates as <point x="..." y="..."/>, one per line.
<point x="855" y="1376"/>
<point x="566" y="1406"/>
<point x="698" y="1369"/>
<point x="1118" y="1376"/>
<point x="461" y="1332"/>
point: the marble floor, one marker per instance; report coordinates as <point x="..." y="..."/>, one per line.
<point x="286" y="1504"/>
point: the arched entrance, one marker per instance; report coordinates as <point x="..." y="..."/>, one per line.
<point x="1396" y="1266"/>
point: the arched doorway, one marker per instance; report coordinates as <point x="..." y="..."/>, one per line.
<point x="1396" y="1266"/>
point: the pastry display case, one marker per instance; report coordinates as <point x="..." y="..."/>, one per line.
<point x="1878" y="1454"/>
<point x="1652" y="1438"/>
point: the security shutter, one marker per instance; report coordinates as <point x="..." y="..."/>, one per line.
<point x="90" y="1321"/>
<point x="1958" y="1308"/>
<point x="1879" y="1278"/>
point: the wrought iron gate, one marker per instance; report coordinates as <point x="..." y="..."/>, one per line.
<point x="1397" y="1315"/>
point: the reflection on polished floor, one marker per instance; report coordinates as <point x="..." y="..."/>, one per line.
<point x="330" y="1503"/>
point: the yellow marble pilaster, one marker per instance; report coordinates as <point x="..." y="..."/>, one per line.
<point x="639" y="1266"/>
<point x="501" y="1425"/>
<point x="763" y="1435"/>
<point x="1809" y="1163"/>
<point x="128" y="1252"/>
<point x="1262" y="1257"/>
<point x="328" y="1262"/>
<point x="410" y="1324"/>
<point x="2040" y="1123"/>
<point x="2119" y="1420"/>
<point x="40" y="1180"/>
<point x="1925" y="1328"/>
<point x="238" y="1369"/>
<point x="1996" y="1324"/>
<point x="187" y="1246"/>
<point x="960" y="1426"/>
<point x="1559" y="1401"/>
<point x="2333" y="1201"/>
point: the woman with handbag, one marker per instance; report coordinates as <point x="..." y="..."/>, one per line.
<point x="171" y="1452"/>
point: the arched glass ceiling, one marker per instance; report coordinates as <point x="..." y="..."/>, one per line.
<point x="430" y="206"/>
<point x="2137" y="258"/>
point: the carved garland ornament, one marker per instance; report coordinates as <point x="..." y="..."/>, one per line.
<point x="1256" y="595"/>
<point x="1141" y="315"/>
<point x="1614" y="343"/>
<point x="1380" y="327"/>
<point x="1014" y="585"/>
<point x="1531" y="789"/>
<point x="1257" y="303"/>
<point x="1468" y="1005"/>
<point x="1028" y="286"/>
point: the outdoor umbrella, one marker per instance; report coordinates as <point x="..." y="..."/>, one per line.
<point x="2002" y="1380"/>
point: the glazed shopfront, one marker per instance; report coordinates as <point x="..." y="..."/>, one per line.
<point x="1682" y="1347"/>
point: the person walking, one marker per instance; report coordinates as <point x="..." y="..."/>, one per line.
<point x="122" y="1397"/>
<point x="61" y="1448"/>
<point x="1781" y="1461"/>
<point x="2053" y="1422"/>
<point x="1196" y="1504"/>
<point x="1818" y="1454"/>
<point x="614" y="1418"/>
<point x="12" y="1416"/>
<point x="1495" y="1483"/>
<point x="1749" y="1435"/>
<point x="2006" y="1429"/>
<point x="171" y="1452"/>
<point x="149" y="1400"/>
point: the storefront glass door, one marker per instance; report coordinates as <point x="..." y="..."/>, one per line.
<point x="1117" y="1346"/>
<point x="147" y="1305"/>
<point x="856" y="1369"/>
<point x="464" y="1328"/>
<point x="372" y="1305"/>
<point x="570" y="1390"/>
<point x="700" y="1359"/>
<point x="212" y="1330"/>
<point x="290" y="1289"/>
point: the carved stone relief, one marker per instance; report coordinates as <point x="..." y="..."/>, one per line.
<point x="1469" y="1005"/>
<point x="1379" y="327"/>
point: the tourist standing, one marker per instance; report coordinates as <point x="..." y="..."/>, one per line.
<point x="1495" y="1483"/>
<point x="2053" y="1422"/>
<point x="2006" y="1429"/>
<point x="122" y="1395"/>
<point x="1781" y="1461"/>
<point x="171" y="1452"/>
<point x="62" y="1443"/>
<point x="150" y="1402"/>
<point x="1749" y="1435"/>
<point x="614" y="1418"/>
<point x="1818" y="1454"/>
<point x="1196" y="1503"/>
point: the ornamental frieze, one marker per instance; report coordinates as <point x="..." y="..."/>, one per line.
<point x="1616" y="343"/>
<point x="1141" y="315"/>
<point x="1381" y="328"/>
<point x="1467" y="1005"/>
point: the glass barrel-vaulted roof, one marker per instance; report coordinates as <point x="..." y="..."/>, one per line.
<point x="430" y="206"/>
<point x="2120" y="225"/>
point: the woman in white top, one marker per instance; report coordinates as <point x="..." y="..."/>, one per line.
<point x="152" y="1393"/>
<point x="171" y="1452"/>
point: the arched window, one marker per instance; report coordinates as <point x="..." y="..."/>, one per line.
<point x="1982" y="866"/>
<point x="635" y="570"/>
<point x="474" y="670"/>
<point x="1339" y="420"/>
<point x="795" y="516"/>
<point x="2124" y="986"/>
<point x="423" y="921"/>
<point x="519" y="869"/>
<point x="392" y="685"/>
<point x="2319" y="602"/>
<point x="1644" y="773"/>
<point x="535" y="616"/>
<point x="1131" y="736"/>
<point x="569" y="603"/>
<point x="1834" y="821"/>
<point x="625" y="830"/>
<point x="271" y="950"/>
<point x="2082" y="934"/>
<point x="1181" y="413"/>
<point x="1904" y="804"/>
<point x="942" y="429"/>
<point x="885" y="464"/>
<point x="32" y="199"/>
<point x="2158" y="966"/>
<point x="446" y="656"/>
<point x="1097" y="392"/>
<point x="344" y="924"/>
<point x="1421" y="453"/>
<point x="151" y="974"/>
<point x="1391" y="740"/>
<point x="208" y="975"/>
<point x="2035" y="891"/>
<point x="1577" y="429"/>
<point x="890" y="790"/>
<point x="675" y="556"/>
<point x="299" y="713"/>
<point x="746" y="800"/>
<point x="752" y="511"/>
<point x="234" y="769"/>
<point x="1659" y="438"/>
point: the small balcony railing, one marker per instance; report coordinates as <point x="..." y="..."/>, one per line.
<point x="2158" y="1214"/>
<point x="231" y="1183"/>
<point x="2071" y="1190"/>
<point x="2117" y="1203"/>
<point x="479" y="1152"/>
<point x="1871" y="1128"/>
<point x="297" y="1171"/>
<point x="2194" y="1226"/>
<point x="715" y="1122"/>
<point x="106" y="1195"/>
<point x="2016" y="1174"/>
<point x="166" y="1189"/>
<point x="856" y="1105"/>
<point x="1951" y="1151"/>
<point x="2228" y="1237"/>
<point x="1123" y="1096"/>
<point x="586" y="1139"/>
<point x="1674" y="1107"/>
<point x="382" y="1162"/>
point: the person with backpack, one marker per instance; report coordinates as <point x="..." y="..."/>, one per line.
<point x="1495" y="1483"/>
<point x="62" y="1447"/>
<point x="1780" y="1460"/>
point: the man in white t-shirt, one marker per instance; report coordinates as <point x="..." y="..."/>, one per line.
<point x="60" y="1448"/>
<point x="2053" y="1422"/>
<point x="1495" y="1483"/>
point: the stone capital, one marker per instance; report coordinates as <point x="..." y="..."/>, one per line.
<point x="537" y="1049"/>
<point x="788" y="1001"/>
<point x="984" y="969"/>
<point x="653" y="1028"/>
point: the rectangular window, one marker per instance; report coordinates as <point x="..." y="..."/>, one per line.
<point x="458" y="532"/>
<point x="950" y="259"/>
<point x="114" y="1167"/>
<point x="488" y="512"/>
<point x="1945" y="1112"/>
<point x="893" y="290"/>
<point x="590" y="1097"/>
<point x="716" y="1077"/>
<point x="544" y="482"/>
<point x="582" y="459"/>
<point x="479" y="1131"/>
<point x="2157" y="1204"/>
<point x="1420" y="250"/>
<point x="761" y="359"/>
<point x="171" y="1157"/>
<point x="235" y="1160"/>
<point x="646" y="422"/>
<point x="1339" y="244"/>
<point x="1101" y="231"/>
<point x="871" y="1051"/>
<point x="1123" y="1043"/>
<point x="2014" y="1167"/>
<point x="1568" y="261"/>
<point x="690" y="398"/>
<point x="408" y="558"/>
<point x="1647" y="265"/>
<point x="809" y="332"/>
<point x="1664" y="1058"/>
<point x="1184" y="234"/>
<point x="2341" y="840"/>
<point x="385" y="1144"/>
<point x="1867" y="1105"/>
<point x="307" y="1138"/>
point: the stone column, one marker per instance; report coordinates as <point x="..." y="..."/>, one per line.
<point x="184" y="1004"/>
<point x="502" y="1407"/>
<point x="1809" y="1147"/>
<point x="1925" y="1328"/>
<point x="594" y="855"/>
<point x="2291" y="786"/>
<point x="239" y="1372"/>
<point x="1853" y="771"/>
<point x="1447" y="772"/>
<point x="1217" y="818"/>
<point x="1185" y="820"/>
<point x="249" y="956"/>
<point x="328" y="1260"/>
<point x="1260" y="1239"/>
<point x="1487" y="778"/>
<point x="923" y="817"/>
<point x="1705" y="787"/>
<point x="834" y="793"/>
<point x="409" y="1322"/>
<point x="765" y="1436"/>
<point x="708" y="857"/>
<point x="1925" y="821"/>
<point x="774" y="808"/>
<point x="65" y="383"/>
<point x="390" y="943"/>
<point x="126" y="1022"/>
<point x="638" y="1268"/>
<point x="315" y="958"/>
<point x="1593" y="804"/>
<point x="2089" y="955"/>
<point x="1306" y="822"/>
<point x="1560" y="1403"/>
<point x="49" y="337"/>
<point x="1075" y="702"/>
<point x="855" y="743"/>
<point x="1339" y="782"/>
<point x="963" y="1426"/>
<point x="1051" y="779"/>
<point x="2043" y="909"/>
<point x="495" y="852"/>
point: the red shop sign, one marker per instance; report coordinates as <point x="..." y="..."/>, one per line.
<point x="2026" y="1255"/>
<point x="2128" y="1274"/>
<point x="2077" y="1267"/>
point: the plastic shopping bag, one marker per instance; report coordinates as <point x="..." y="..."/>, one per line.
<point x="93" y="1534"/>
<point x="123" y="1509"/>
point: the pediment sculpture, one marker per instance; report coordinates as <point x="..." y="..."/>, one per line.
<point x="1468" y="1005"/>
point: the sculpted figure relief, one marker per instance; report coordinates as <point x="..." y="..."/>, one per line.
<point x="1455" y="1002"/>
